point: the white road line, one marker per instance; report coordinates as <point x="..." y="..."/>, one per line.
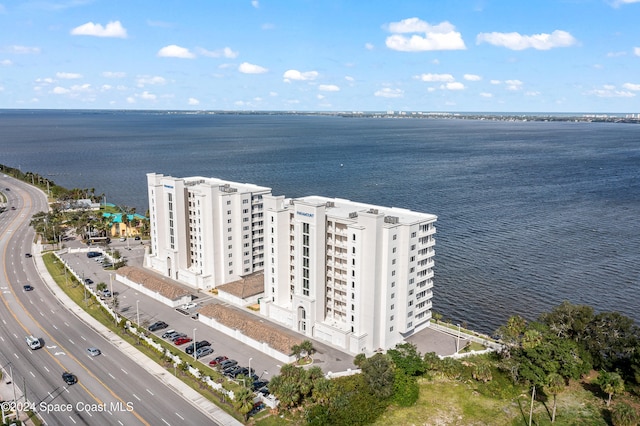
<point x="50" y="396"/>
<point x="124" y="371"/>
<point x="89" y="413"/>
<point x="65" y="323"/>
<point x="120" y="422"/>
<point x="111" y="375"/>
<point x="2" y="338"/>
<point x="52" y="311"/>
<point x="15" y="335"/>
<point x="54" y="326"/>
<point x="74" y="422"/>
<point x="151" y="393"/>
<point x="16" y="355"/>
<point x="82" y="337"/>
<point x="41" y="314"/>
<point x="165" y="422"/>
<point x="181" y="418"/>
<point x="136" y="397"/>
<point x="32" y="373"/>
<point x="4" y="322"/>
<point x="71" y="342"/>
<point x="66" y="390"/>
<point x="45" y="367"/>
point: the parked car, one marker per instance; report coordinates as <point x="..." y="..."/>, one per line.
<point x="94" y="351"/>
<point x="217" y="360"/>
<point x="168" y="333"/>
<point x="123" y="238"/>
<point x="177" y="336"/>
<point x="190" y="305"/>
<point x="137" y="238"/>
<point x="91" y="254"/>
<point x="202" y="343"/>
<point x="204" y="351"/>
<point x="257" y="407"/>
<point x="227" y="363"/>
<point x="264" y="391"/>
<point x="69" y="378"/>
<point x="106" y="292"/>
<point x="158" y="325"/>
<point x="230" y="371"/>
<point x="27" y="287"/>
<point x="88" y="281"/>
<point x="182" y="340"/>
<point x="259" y="384"/>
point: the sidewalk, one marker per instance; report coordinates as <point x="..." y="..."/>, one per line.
<point x="181" y="389"/>
<point x="10" y="392"/>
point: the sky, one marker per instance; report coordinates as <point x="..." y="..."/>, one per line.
<point x="558" y="56"/>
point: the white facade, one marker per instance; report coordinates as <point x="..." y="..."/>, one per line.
<point x="205" y="231"/>
<point x="354" y="275"/>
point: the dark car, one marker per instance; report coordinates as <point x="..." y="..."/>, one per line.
<point x="88" y="281"/>
<point x="28" y="255"/>
<point x="69" y="378"/>
<point x="264" y="391"/>
<point x="202" y="343"/>
<point x="91" y="254"/>
<point x="27" y="287"/>
<point x="137" y="238"/>
<point x="217" y="360"/>
<point x="158" y="325"/>
<point x="259" y="384"/>
<point x="228" y="363"/>
<point x="231" y="370"/>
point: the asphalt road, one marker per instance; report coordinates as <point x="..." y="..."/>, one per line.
<point x="112" y="389"/>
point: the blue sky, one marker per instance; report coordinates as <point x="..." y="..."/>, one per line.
<point x="322" y="55"/>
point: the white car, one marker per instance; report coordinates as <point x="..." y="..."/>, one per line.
<point x="94" y="351"/>
<point x="189" y="305"/>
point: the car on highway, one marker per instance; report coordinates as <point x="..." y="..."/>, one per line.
<point x="69" y="378"/>
<point x="93" y="351"/>
<point x="204" y="351"/>
<point x="27" y="287"/>
<point x="217" y="360"/>
<point x="182" y="340"/>
<point x="28" y="255"/>
<point x="202" y="343"/>
<point x="158" y="325"/>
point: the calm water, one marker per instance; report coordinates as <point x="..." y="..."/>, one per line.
<point x="530" y="214"/>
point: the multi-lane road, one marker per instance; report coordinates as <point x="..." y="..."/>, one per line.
<point x="112" y="388"/>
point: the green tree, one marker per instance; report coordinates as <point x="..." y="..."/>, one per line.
<point x="378" y="371"/>
<point x="243" y="401"/>
<point x="611" y="339"/>
<point x="307" y="347"/>
<point x="359" y="359"/>
<point x="296" y="350"/>
<point x="406" y="357"/>
<point x="482" y="371"/>
<point x="610" y="383"/>
<point x="624" y="414"/>
<point x="569" y="321"/>
<point x="511" y="333"/>
<point x="555" y="384"/>
<point x="406" y="389"/>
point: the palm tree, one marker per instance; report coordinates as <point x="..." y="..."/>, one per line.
<point x="624" y="414"/>
<point x="555" y="385"/>
<point x="296" y="350"/>
<point x="243" y="401"/>
<point x="610" y="383"/>
<point x="308" y="348"/>
<point x="482" y="371"/>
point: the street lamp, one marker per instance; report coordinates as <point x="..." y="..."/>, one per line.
<point x="250" y="366"/>
<point x="137" y="314"/>
<point x="458" y="340"/>
<point x="194" y="344"/>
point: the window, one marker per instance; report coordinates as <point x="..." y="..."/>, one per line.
<point x="394" y="250"/>
<point x="391" y="318"/>
<point x="392" y="307"/>
<point x="228" y="211"/>
<point x="393" y="284"/>
<point x="391" y="329"/>
<point x="228" y="202"/>
<point x="393" y="295"/>
<point x="413" y="235"/>
<point x="395" y="237"/>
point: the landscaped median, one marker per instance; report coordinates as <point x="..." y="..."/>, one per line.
<point x="208" y="382"/>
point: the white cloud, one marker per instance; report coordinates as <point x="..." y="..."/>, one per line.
<point x="148" y="96"/>
<point x="472" y="77"/>
<point x="368" y="46"/>
<point x="247" y="68"/>
<point x="106" y="87"/>
<point x="81" y="87"/>
<point x="454" y="85"/>
<point x="150" y="80"/>
<point x="389" y="93"/>
<point x="131" y="100"/>
<point x="349" y="78"/>
<point x="225" y="52"/>
<point x="59" y="90"/>
<point x="328" y="88"/>
<point x="495" y="82"/>
<point x="174" y="51"/>
<point x="631" y="86"/>
<point x="615" y="54"/>
<point x="68" y="75"/>
<point x="114" y="74"/>
<point x="255" y="3"/>
<point x="47" y="80"/>
<point x="299" y="76"/>
<point x="6" y="63"/>
<point x="513" y="84"/>
<point x="532" y="93"/>
<point x="609" y="91"/>
<point x="435" y="77"/>
<point x="320" y="96"/>
<point x="636" y="51"/>
<point x="112" y="29"/>
<point x="517" y="41"/>
<point x="193" y="101"/>
<point x="430" y="37"/>
<point x="23" y="50"/>
<point x="486" y="95"/>
<point x="617" y="3"/>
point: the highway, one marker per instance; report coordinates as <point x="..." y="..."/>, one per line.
<point x="112" y="389"/>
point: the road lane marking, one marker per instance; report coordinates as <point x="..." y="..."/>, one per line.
<point x="83" y="338"/>
<point x="165" y="422"/>
<point x="32" y="374"/>
<point x="71" y="342"/>
<point x="136" y="397"/>
<point x="74" y="422"/>
<point x="124" y="371"/>
<point x="45" y="367"/>
<point x="111" y="375"/>
<point x="181" y="418"/>
<point x="151" y="393"/>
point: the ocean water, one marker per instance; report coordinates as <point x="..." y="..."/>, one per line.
<point x="529" y="213"/>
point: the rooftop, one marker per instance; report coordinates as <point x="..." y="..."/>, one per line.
<point x="153" y="282"/>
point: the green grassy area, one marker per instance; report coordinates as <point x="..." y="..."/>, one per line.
<point x="76" y="291"/>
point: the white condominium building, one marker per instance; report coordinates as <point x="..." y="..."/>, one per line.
<point x="354" y="275"/>
<point x="205" y="231"/>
